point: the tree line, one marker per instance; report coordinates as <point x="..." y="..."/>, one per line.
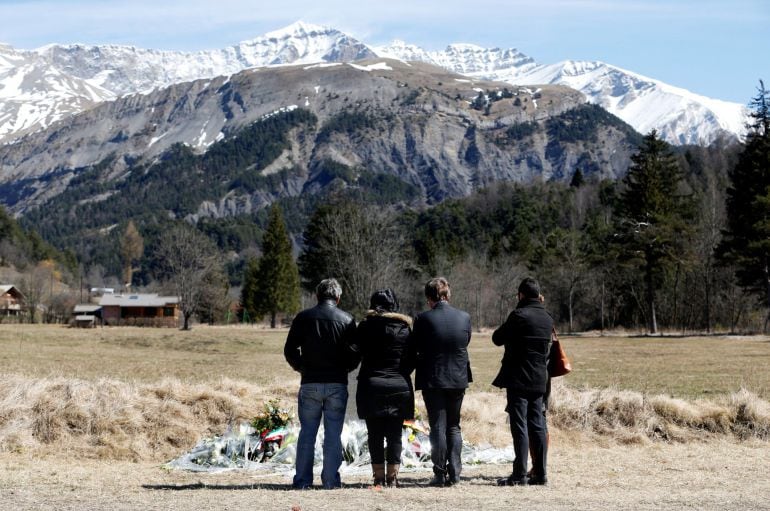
<point x="682" y="243"/>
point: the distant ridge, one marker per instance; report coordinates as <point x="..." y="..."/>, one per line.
<point x="40" y="87"/>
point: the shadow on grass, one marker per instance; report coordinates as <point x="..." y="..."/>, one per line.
<point x="402" y="484"/>
<point x="686" y="336"/>
<point x="205" y="486"/>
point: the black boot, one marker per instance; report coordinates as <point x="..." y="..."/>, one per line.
<point x="439" y="478"/>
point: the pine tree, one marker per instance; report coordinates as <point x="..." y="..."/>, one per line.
<point x="314" y="262"/>
<point x="249" y="288"/>
<point x="747" y="240"/>
<point x="653" y="214"/>
<point x="277" y="280"/>
<point x="577" y="179"/>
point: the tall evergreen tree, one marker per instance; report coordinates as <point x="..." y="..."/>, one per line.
<point x="277" y="279"/>
<point x="747" y="240"/>
<point x="249" y="288"/>
<point x="653" y="215"/>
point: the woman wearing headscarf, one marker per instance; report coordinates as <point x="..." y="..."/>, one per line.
<point x="385" y="395"/>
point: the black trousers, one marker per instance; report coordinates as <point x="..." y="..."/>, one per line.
<point x="380" y="431"/>
<point x="528" y="427"/>
<point x="446" y="440"/>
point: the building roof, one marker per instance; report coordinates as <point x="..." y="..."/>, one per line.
<point x="8" y="288"/>
<point x="82" y="308"/>
<point x="138" y="300"/>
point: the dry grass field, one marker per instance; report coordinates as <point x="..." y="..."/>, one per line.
<point x="87" y="417"/>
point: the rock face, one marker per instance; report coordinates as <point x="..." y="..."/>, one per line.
<point x="437" y="131"/>
<point x="42" y="86"/>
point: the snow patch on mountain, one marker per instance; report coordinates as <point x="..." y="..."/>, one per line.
<point x="680" y="116"/>
<point x="378" y="66"/>
<point x="34" y="94"/>
<point x="43" y="86"/>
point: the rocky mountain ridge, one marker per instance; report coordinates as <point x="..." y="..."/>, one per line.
<point x="440" y="133"/>
<point x="100" y="73"/>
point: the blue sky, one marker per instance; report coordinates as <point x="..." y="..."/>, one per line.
<point x="716" y="48"/>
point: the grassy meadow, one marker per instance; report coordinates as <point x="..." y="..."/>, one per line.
<point x="88" y="416"/>
<point x="683" y="367"/>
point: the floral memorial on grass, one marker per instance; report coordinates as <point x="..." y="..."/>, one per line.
<point x="268" y="444"/>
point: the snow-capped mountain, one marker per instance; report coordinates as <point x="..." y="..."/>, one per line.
<point x="680" y="116"/>
<point x="126" y="69"/>
<point x="41" y="86"/>
<point x="34" y="94"/>
<point x="461" y="58"/>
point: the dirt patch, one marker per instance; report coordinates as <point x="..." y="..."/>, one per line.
<point x="582" y="475"/>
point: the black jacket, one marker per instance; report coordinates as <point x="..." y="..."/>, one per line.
<point x="526" y="335"/>
<point x="318" y="345"/>
<point x="442" y="335"/>
<point x="384" y="342"/>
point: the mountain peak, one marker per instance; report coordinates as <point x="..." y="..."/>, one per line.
<point x="298" y="28"/>
<point x="466" y="47"/>
<point x="682" y="117"/>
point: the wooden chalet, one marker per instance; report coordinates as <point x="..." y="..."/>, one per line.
<point x="140" y="310"/>
<point x="10" y="300"/>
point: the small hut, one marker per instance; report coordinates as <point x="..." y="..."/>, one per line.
<point x="87" y="315"/>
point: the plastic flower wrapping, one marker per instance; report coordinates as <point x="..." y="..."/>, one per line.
<point x="242" y="447"/>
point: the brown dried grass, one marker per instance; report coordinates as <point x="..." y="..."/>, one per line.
<point x="629" y="416"/>
<point x="115" y="420"/>
<point x="110" y="419"/>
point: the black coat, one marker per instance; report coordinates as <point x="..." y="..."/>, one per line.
<point x="526" y="335"/>
<point x="384" y="343"/>
<point x="442" y="335"/>
<point x="318" y="344"/>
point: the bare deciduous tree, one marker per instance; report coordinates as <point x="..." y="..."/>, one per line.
<point x="37" y="286"/>
<point x="362" y="247"/>
<point x="188" y="259"/>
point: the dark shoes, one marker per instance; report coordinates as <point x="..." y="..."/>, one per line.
<point x="522" y="481"/>
<point x="510" y="481"/>
<point x="443" y="480"/>
<point x="438" y="481"/>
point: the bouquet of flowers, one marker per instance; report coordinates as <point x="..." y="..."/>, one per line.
<point x="272" y="417"/>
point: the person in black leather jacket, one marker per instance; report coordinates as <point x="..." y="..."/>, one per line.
<point x="385" y="396"/>
<point x="526" y="335"/>
<point x="318" y="347"/>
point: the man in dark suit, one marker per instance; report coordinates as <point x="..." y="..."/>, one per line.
<point x="526" y="335"/>
<point x="443" y="372"/>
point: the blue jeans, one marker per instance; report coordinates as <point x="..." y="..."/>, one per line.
<point x="314" y="401"/>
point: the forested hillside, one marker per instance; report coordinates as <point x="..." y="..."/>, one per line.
<point x="389" y="183"/>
